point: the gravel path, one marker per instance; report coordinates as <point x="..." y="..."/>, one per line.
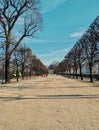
<point x="49" y="103"/>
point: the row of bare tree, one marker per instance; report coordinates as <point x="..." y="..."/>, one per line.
<point x="23" y="64"/>
<point x="85" y="51"/>
<point x="18" y="19"/>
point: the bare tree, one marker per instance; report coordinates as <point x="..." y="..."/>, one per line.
<point x="29" y="62"/>
<point x="52" y="67"/>
<point x="16" y="63"/>
<point x="60" y="68"/>
<point x="90" y="51"/>
<point x="13" y="13"/>
<point x="39" y="67"/>
<point x="23" y="53"/>
<point x="85" y="50"/>
<point x="81" y="56"/>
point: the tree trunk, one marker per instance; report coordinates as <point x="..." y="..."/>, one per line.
<point x="7" y="67"/>
<point x="17" y="76"/>
<point x="69" y="71"/>
<point x="30" y="73"/>
<point x="98" y="70"/>
<point x="91" y="77"/>
<point x="76" y="73"/>
<point x="22" y="71"/>
<point x="81" y="72"/>
<point x="73" y="72"/>
<point x="2" y="74"/>
<point x="7" y="59"/>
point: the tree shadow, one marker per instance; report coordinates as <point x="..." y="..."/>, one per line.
<point x="47" y="97"/>
<point x="19" y="87"/>
<point x="69" y="96"/>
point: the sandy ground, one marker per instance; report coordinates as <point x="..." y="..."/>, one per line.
<point x="50" y="103"/>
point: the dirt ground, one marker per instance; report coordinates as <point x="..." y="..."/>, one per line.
<point x="49" y="103"/>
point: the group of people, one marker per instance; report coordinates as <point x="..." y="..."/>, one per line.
<point x="44" y="75"/>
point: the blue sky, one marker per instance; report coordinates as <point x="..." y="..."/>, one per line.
<point x="64" y="21"/>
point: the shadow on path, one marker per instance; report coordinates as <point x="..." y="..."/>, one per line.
<point x="39" y="87"/>
<point x="71" y="96"/>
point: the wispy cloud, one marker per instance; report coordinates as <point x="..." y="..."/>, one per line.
<point x="34" y="40"/>
<point x="49" y="5"/>
<point x="41" y="41"/>
<point x="76" y="34"/>
<point x="55" y="53"/>
<point x="38" y="40"/>
<point x="59" y="51"/>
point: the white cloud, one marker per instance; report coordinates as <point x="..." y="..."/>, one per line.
<point x="49" y="5"/>
<point x="76" y="34"/>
